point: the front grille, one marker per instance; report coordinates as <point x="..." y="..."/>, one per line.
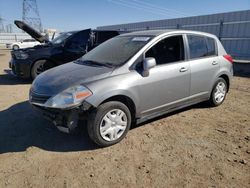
<point x="38" y="98"/>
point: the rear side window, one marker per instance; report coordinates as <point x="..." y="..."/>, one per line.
<point x="200" y="46"/>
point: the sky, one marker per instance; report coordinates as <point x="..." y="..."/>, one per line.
<point x="65" y="15"/>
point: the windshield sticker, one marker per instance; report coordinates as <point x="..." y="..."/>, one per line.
<point x="140" y="39"/>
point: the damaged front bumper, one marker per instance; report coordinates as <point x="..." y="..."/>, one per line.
<point x="66" y="120"/>
<point x="20" y="68"/>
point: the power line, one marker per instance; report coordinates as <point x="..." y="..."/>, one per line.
<point x="147" y="7"/>
<point x="162" y="8"/>
<point x="155" y="8"/>
<point x="136" y="7"/>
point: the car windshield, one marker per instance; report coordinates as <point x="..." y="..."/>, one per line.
<point x="61" y="38"/>
<point x="115" y="51"/>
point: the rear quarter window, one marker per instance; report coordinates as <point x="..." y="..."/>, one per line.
<point x="211" y="46"/>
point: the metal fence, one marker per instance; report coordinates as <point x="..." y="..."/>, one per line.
<point x="232" y="28"/>
<point x="14" y="37"/>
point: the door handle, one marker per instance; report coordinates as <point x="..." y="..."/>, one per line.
<point x="183" y="69"/>
<point x="214" y="63"/>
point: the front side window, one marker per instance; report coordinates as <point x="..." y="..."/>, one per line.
<point x="167" y="50"/>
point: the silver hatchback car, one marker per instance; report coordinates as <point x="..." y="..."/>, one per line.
<point x="132" y="78"/>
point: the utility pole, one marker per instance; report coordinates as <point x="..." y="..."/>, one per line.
<point x="31" y="15"/>
<point x="1" y="25"/>
<point x="9" y="28"/>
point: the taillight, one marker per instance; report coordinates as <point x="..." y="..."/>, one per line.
<point x="229" y="58"/>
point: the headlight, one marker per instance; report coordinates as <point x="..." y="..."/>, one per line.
<point x="21" y="55"/>
<point x="69" y="97"/>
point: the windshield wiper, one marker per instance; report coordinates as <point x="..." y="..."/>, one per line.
<point x="90" y="62"/>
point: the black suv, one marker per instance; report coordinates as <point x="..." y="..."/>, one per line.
<point x="68" y="46"/>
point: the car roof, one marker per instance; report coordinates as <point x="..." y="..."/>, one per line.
<point x="155" y="33"/>
<point x="147" y="32"/>
<point x="75" y="31"/>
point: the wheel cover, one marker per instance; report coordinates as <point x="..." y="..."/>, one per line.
<point x="220" y="92"/>
<point x="113" y="125"/>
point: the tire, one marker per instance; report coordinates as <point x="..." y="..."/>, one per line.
<point x="219" y="92"/>
<point x="15" y="47"/>
<point x="39" y="67"/>
<point x="109" y="123"/>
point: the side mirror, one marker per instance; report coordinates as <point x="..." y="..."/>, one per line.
<point x="148" y="63"/>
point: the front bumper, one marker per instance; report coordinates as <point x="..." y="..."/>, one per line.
<point x="20" y="68"/>
<point x="65" y="120"/>
<point x="8" y="46"/>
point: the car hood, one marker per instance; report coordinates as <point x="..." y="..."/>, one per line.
<point x="65" y="76"/>
<point x="31" y="31"/>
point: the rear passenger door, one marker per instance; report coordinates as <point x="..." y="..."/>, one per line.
<point x="204" y="64"/>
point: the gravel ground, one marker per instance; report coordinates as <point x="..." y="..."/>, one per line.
<point x="194" y="147"/>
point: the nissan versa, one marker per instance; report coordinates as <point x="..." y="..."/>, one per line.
<point x="69" y="46"/>
<point x="132" y="78"/>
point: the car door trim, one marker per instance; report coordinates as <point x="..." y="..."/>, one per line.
<point x="177" y="102"/>
<point x="170" y="107"/>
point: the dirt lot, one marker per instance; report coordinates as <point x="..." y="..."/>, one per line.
<point x="195" y="147"/>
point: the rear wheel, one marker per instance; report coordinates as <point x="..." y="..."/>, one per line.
<point x="15" y="47"/>
<point x="109" y="123"/>
<point x="219" y="92"/>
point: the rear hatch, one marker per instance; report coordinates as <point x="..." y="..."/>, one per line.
<point x="31" y="31"/>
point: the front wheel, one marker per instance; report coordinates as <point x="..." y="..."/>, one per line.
<point x="109" y="123"/>
<point x="39" y="67"/>
<point x="219" y="92"/>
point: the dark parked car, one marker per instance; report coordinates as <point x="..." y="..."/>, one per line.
<point x="69" y="46"/>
